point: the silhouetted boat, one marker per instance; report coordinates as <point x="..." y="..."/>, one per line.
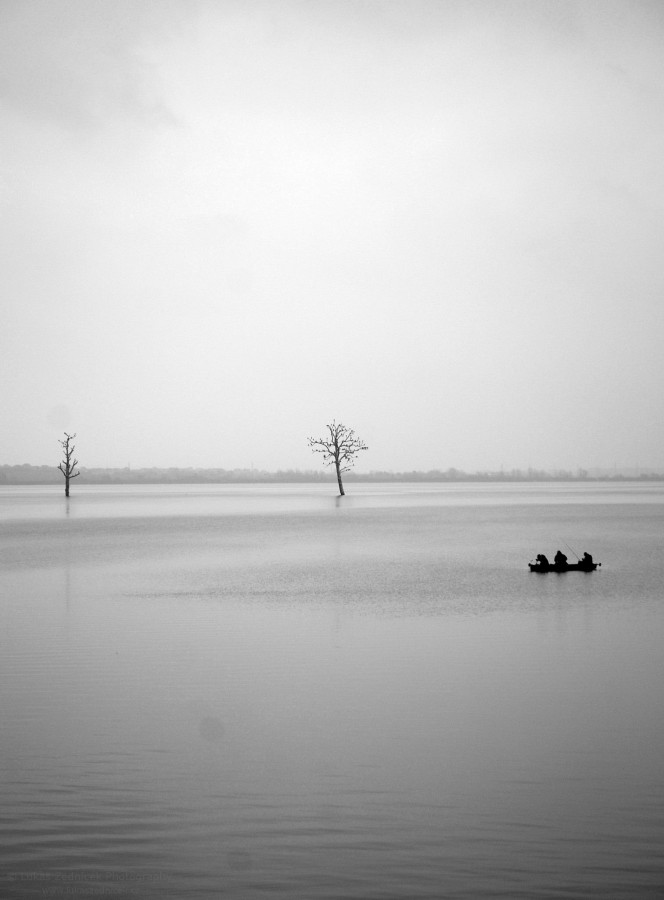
<point x="566" y="567"/>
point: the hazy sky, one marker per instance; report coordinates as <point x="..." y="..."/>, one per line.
<point x="225" y="224"/>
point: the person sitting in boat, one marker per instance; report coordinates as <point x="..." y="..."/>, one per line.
<point x="560" y="559"/>
<point x="542" y="560"/>
<point x="586" y="560"/>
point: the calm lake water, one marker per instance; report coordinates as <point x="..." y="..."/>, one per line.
<point x="266" y="691"/>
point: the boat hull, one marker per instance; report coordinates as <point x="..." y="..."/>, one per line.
<point x="568" y="567"/>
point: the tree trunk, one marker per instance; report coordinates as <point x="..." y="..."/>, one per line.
<point x="341" y="487"/>
<point x="66" y="486"/>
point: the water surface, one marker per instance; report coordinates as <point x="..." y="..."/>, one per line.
<point x="219" y="691"/>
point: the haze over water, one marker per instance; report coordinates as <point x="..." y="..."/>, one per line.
<point x="213" y="691"/>
<point x="226" y="222"/>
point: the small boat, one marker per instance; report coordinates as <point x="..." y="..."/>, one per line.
<point x="565" y="567"/>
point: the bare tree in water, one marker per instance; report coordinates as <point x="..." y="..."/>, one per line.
<point x="339" y="449"/>
<point x="68" y="464"/>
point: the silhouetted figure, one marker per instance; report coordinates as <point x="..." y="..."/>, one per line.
<point x="560" y="559"/>
<point x="587" y="560"/>
<point x="542" y="560"/>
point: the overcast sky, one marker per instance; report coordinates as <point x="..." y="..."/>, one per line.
<point x="225" y="224"/>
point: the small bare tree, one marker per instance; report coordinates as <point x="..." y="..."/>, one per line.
<point x="68" y="464"/>
<point x="340" y="449"/>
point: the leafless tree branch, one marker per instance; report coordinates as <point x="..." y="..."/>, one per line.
<point x="69" y="462"/>
<point x="339" y="449"/>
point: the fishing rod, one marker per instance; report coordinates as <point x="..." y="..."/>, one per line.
<point x="572" y="551"/>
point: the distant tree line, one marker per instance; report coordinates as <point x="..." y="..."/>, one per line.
<point x="339" y="446"/>
<point x="28" y="474"/>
